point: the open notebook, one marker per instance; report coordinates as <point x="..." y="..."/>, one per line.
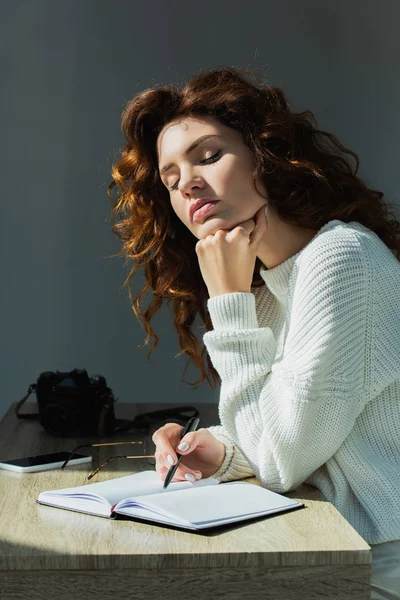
<point x="199" y="505"/>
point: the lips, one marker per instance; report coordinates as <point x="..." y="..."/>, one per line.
<point x="202" y="213"/>
<point x="199" y="203"/>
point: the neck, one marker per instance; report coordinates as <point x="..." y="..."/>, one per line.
<point x="281" y="241"/>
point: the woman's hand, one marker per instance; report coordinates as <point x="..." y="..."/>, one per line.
<point x="227" y="258"/>
<point x="203" y="457"/>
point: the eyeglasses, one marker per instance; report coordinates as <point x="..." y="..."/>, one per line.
<point x="108" y="459"/>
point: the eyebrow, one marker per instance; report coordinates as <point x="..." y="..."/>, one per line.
<point x="189" y="150"/>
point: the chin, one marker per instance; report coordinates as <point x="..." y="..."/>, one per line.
<point x="213" y="225"/>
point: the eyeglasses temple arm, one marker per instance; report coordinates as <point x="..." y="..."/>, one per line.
<point x="113" y="458"/>
<point x="73" y="452"/>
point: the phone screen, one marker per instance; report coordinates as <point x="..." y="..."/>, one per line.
<point x="42" y="459"/>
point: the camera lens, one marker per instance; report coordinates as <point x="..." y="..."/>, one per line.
<point x="57" y="420"/>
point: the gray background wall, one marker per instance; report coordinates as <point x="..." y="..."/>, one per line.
<point x="67" y="69"/>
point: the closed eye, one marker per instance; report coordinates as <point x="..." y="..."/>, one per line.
<point x="206" y="161"/>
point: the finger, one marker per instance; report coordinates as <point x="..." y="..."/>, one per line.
<point x="166" y="440"/>
<point x="191" y="440"/>
<point x="248" y="225"/>
<point x="182" y="473"/>
<point x="168" y="449"/>
<point x="169" y="431"/>
<point x="245" y="228"/>
<point x="184" y="446"/>
<point x="165" y="455"/>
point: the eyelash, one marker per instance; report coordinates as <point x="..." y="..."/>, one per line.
<point x="206" y="161"/>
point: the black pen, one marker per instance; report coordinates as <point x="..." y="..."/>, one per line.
<point x="191" y="425"/>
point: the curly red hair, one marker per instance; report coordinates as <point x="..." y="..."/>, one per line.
<point x="305" y="171"/>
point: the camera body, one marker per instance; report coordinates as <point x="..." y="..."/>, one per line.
<point x="73" y="404"/>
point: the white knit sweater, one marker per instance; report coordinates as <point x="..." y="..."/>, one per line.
<point x="310" y="377"/>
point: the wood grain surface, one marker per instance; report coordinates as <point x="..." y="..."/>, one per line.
<point x="308" y="553"/>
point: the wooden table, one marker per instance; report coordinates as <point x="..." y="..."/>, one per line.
<point x="48" y="553"/>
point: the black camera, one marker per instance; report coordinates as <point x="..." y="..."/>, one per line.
<point x="72" y="403"/>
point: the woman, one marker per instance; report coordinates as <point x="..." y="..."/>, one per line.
<point x="242" y="212"/>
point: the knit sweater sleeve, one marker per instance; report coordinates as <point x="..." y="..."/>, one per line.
<point x="285" y="417"/>
<point x="234" y="465"/>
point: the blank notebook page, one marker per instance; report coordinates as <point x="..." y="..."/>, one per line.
<point x="219" y="502"/>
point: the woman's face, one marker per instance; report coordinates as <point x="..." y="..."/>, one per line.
<point x="219" y="168"/>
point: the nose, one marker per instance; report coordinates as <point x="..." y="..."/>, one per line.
<point x="188" y="182"/>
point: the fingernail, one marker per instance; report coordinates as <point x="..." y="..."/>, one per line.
<point x="183" y="446"/>
<point x="170" y="459"/>
<point x="189" y="477"/>
<point x="198" y="475"/>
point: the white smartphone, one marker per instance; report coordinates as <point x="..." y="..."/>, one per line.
<point x="43" y="462"/>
